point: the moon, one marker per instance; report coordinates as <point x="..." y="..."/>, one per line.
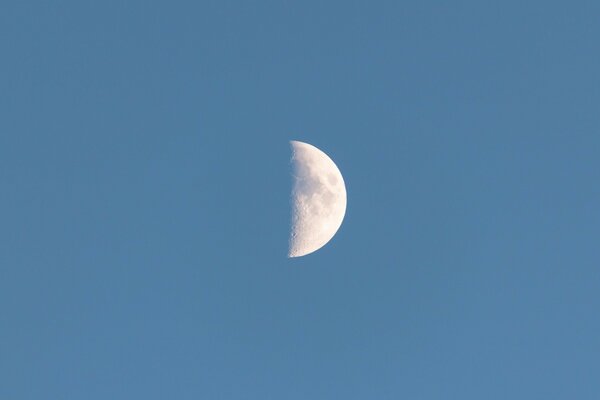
<point x="318" y="199"/>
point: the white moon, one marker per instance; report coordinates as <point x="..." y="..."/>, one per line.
<point x="318" y="199"/>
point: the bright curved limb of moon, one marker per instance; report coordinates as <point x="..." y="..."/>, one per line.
<point x="318" y="199"/>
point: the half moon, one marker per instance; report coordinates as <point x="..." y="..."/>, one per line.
<point x="318" y="199"/>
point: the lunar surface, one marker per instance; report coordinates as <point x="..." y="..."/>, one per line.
<point x="318" y="199"/>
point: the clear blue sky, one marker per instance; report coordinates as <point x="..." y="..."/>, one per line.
<point x="144" y="187"/>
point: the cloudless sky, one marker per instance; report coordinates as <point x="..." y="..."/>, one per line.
<point x="144" y="200"/>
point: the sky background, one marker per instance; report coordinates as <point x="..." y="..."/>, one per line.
<point x="144" y="200"/>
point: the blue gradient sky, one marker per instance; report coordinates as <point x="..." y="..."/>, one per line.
<point x="144" y="172"/>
